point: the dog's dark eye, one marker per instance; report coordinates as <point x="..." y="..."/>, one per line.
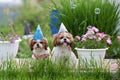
<point x="41" y="42"/>
<point x="34" y="42"/>
<point x="61" y="37"/>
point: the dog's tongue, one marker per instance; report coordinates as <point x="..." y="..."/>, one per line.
<point x="64" y="44"/>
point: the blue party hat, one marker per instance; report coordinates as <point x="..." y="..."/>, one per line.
<point x="38" y="34"/>
<point x="62" y="28"/>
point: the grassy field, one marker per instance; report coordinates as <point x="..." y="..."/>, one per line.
<point x="45" y="70"/>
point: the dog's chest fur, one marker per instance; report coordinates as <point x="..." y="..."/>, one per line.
<point x="41" y="52"/>
<point x="59" y="53"/>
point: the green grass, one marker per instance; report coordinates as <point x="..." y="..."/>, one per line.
<point x="42" y="70"/>
<point x="77" y="19"/>
<point x="45" y="70"/>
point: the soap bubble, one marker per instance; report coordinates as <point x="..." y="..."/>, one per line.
<point x="97" y="10"/>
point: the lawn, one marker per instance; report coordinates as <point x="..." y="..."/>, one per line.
<point x="43" y="70"/>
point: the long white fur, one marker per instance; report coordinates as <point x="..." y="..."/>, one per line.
<point x="61" y="52"/>
<point x="41" y="52"/>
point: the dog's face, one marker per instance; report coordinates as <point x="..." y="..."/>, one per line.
<point x="63" y="39"/>
<point x="38" y="44"/>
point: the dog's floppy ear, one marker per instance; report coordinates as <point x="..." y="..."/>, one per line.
<point x="71" y="41"/>
<point x="31" y="43"/>
<point x="45" y="43"/>
<point x="55" y="39"/>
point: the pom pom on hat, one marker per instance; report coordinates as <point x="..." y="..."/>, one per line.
<point x="62" y="28"/>
<point x="38" y="34"/>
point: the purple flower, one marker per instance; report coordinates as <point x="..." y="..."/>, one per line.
<point x="101" y="35"/>
<point x="95" y="38"/>
<point x="89" y="32"/>
<point x="9" y="37"/>
<point x="109" y="41"/>
<point x="1" y="39"/>
<point x="83" y="38"/>
<point x="95" y="29"/>
<point x="12" y="40"/>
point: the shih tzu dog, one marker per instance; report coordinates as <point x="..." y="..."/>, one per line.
<point x="40" y="49"/>
<point x="62" y="51"/>
<point x="39" y="45"/>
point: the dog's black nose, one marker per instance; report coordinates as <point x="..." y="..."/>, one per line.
<point x="65" y="39"/>
<point x="38" y="45"/>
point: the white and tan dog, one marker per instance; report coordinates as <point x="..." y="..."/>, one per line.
<point x="40" y="49"/>
<point x="39" y="45"/>
<point x="62" y="51"/>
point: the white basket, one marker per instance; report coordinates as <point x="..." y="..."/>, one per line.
<point x="8" y="50"/>
<point x="91" y="54"/>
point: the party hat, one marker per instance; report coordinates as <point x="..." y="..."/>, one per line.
<point x="62" y="28"/>
<point x="38" y="34"/>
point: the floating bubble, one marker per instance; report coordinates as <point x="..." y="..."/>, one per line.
<point x="97" y="10"/>
<point x="73" y="6"/>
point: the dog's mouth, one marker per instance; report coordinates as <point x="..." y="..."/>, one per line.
<point x="38" y="47"/>
<point x="65" y="43"/>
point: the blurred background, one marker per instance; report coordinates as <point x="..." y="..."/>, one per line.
<point x="21" y="12"/>
<point x="24" y="16"/>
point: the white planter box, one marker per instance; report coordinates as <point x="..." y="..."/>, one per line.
<point x="8" y="50"/>
<point x="91" y="56"/>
